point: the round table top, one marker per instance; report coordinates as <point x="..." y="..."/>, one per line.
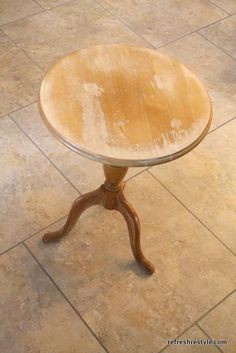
<point x="125" y="105"/>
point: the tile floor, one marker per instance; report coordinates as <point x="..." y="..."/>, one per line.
<point x="86" y="294"/>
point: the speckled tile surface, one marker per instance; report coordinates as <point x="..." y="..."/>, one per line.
<point x="214" y="68"/>
<point x="204" y="180"/>
<point x="95" y="269"/>
<point x="20" y="78"/>
<point x="49" y="35"/>
<point x="34" y="315"/>
<point x="162" y="21"/>
<point x="220" y="322"/>
<point x="15" y="9"/>
<point x="223" y="34"/>
<point x="33" y="193"/>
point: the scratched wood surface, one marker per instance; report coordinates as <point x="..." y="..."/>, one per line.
<point x="125" y="105"/>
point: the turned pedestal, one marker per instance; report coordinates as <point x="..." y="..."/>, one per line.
<point x="109" y="195"/>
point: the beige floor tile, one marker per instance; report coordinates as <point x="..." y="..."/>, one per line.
<point x="227" y="5"/>
<point x="216" y="70"/>
<point x="55" y="33"/>
<point x="220" y="323"/>
<point x="20" y="78"/>
<point x="34" y="315"/>
<point x="15" y="9"/>
<point x="85" y="174"/>
<point x="33" y="193"/>
<point x="130" y="311"/>
<point x="223" y="34"/>
<point x="192" y="334"/>
<point x="162" y="21"/>
<point x="204" y="180"/>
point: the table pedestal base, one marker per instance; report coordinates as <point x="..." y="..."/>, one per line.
<point x="109" y="195"/>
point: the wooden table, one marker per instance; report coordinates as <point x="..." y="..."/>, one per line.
<point x="124" y="106"/>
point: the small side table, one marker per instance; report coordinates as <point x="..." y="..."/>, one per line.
<point x="124" y="106"/>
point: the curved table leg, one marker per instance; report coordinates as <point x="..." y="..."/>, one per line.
<point x="123" y="206"/>
<point x="80" y="204"/>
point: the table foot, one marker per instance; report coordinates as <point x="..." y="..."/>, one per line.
<point x="109" y="195"/>
<point x="79" y="206"/>
<point x="132" y="220"/>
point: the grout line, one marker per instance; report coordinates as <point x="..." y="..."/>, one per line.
<point x="30" y="236"/>
<point x="192" y="32"/>
<point x="4" y="116"/>
<point x="216" y="45"/>
<point x="205" y="333"/>
<point x="11" y="248"/>
<point x="19" y="19"/>
<point x="59" y="5"/>
<point x="225" y="123"/>
<point x="31" y="15"/>
<point x="35" y="13"/>
<point x="26" y="54"/>
<point x="54" y="165"/>
<point x="39" y="4"/>
<point x="193" y="214"/>
<point x="16" y="110"/>
<point x="44" y="228"/>
<point x="25" y="106"/>
<point x="171" y="41"/>
<point x="211" y="2"/>
<point x="109" y="11"/>
<point x="200" y="318"/>
<point x="175" y="40"/>
<point x="65" y="297"/>
<point x="140" y="172"/>
<point x="113" y="15"/>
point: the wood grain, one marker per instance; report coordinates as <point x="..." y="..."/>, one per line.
<point x="125" y="105"/>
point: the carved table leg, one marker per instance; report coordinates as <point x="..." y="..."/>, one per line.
<point x="109" y="195"/>
<point x="79" y="205"/>
<point x="131" y="217"/>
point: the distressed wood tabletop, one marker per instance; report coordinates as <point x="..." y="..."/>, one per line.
<point x="125" y="105"/>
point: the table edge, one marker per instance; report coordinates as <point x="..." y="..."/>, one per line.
<point x="116" y="162"/>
